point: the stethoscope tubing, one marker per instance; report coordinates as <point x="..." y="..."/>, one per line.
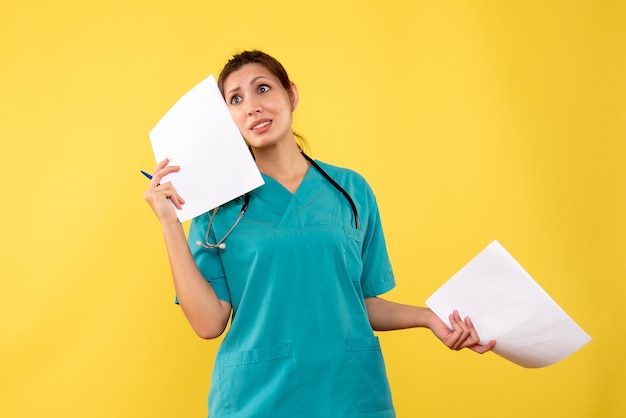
<point x="246" y="200"/>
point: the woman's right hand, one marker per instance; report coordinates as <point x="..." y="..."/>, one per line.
<point x="159" y="195"/>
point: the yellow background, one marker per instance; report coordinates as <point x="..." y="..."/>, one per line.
<point x="472" y="120"/>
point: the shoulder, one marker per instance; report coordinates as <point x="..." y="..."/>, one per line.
<point x="342" y="173"/>
<point x="353" y="182"/>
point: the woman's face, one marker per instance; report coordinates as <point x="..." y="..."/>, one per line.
<point x="260" y="106"/>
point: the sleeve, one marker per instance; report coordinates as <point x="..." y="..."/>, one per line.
<point x="377" y="276"/>
<point x="208" y="261"/>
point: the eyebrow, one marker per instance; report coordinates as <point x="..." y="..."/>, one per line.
<point x="254" y="80"/>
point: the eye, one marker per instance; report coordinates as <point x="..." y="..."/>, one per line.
<point x="263" y="88"/>
<point x="235" y="100"/>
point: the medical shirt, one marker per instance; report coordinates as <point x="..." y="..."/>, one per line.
<point x="296" y="272"/>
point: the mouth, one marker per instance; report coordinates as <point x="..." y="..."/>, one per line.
<point x="260" y="125"/>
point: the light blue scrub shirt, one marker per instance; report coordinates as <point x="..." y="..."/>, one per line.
<point x="296" y="272"/>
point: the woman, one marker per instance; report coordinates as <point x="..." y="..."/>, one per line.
<point x="301" y="273"/>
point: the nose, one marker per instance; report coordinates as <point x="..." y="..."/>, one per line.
<point x="254" y="107"/>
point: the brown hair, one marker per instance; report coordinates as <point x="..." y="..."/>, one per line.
<point x="254" y="57"/>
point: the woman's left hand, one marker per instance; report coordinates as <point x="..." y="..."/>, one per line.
<point x="462" y="335"/>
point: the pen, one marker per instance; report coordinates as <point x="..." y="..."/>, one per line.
<point x="146" y="174"/>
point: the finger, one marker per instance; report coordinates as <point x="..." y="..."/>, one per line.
<point x="459" y="322"/>
<point x="466" y="338"/>
<point x="161" y="164"/>
<point x="161" y="170"/>
<point x="483" y="348"/>
<point x="473" y="340"/>
<point x="167" y="191"/>
<point x="473" y="335"/>
<point x="458" y="334"/>
<point x="157" y="177"/>
<point x="177" y="201"/>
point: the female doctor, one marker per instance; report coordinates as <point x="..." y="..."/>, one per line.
<point x="300" y="273"/>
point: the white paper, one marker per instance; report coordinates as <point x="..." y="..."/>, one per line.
<point x="198" y="134"/>
<point x="507" y="305"/>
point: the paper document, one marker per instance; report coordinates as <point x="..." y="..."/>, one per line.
<point x="507" y="305"/>
<point x="198" y="134"/>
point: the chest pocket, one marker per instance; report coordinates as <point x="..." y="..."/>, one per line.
<point x="353" y="251"/>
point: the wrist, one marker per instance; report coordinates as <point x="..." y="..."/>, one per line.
<point x="429" y="318"/>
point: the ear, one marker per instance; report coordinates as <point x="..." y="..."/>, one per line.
<point x="293" y="96"/>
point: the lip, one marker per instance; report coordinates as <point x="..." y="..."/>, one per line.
<point x="254" y="126"/>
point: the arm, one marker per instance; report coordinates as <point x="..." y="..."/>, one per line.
<point x="386" y="316"/>
<point x="206" y="314"/>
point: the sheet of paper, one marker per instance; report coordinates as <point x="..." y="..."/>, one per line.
<point x="507" y="305"/>
<point x="198" y="134"/>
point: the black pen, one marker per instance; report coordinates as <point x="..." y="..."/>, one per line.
<point x="146" y="174"/>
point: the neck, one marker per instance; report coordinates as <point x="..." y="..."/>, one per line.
<point x="284" y="164"/>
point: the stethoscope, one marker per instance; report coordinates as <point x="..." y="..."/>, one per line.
<point x="246" y="200"/>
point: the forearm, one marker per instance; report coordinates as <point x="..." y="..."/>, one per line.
<point x="387" y="316"/>
<point x="206" y="314"/>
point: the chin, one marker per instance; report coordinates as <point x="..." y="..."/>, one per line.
<point x="259" y="145"/>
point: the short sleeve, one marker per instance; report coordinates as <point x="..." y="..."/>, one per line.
<point x="377" y="276"/>
<point x="208" y="260"/>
